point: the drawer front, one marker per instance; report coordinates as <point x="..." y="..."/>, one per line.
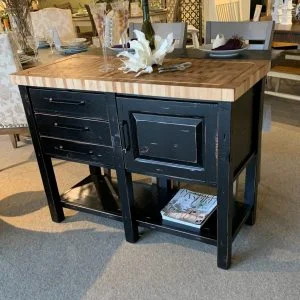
<point x="170" y="138"/>
<point x="79" y="152"/>
<point x="69" y="103"/>
<point x="81" y="130"/>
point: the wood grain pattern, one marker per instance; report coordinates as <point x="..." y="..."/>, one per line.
<point x="207" y="79"/>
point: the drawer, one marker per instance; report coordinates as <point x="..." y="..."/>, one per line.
<point x="68" y="103"/>
<point x="169" y="138"/>
<point x="79" y="152"/>
<point x="82" y="130"/>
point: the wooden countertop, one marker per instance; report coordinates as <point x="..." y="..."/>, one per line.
<point x="207" y="79"/>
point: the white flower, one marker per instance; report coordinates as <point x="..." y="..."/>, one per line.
<point x="143" y="58"/>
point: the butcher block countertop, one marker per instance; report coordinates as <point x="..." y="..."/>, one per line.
<point x="207" y="79"/>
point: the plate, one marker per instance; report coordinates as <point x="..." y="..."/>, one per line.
<point x="222" y="53"/>
<point x="120" y="49"/>
<point x="75" y="42"/>
<point x="69" y="51"/>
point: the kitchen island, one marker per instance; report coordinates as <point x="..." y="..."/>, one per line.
<point x="202" y="125"/>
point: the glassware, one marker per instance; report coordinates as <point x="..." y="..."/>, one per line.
<point x="33" y="43"/>
<point x="49" y="36"/>
<point x="121" y="13"/>
<point x="101" y="20"/>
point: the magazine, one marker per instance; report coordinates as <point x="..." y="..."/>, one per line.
<point x="189" y="208"/>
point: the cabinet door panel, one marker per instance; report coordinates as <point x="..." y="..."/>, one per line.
<point x="171" y="138"/>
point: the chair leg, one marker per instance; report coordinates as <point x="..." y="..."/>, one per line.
<point x="277" y="85"/>
<point x="13" y="139"/>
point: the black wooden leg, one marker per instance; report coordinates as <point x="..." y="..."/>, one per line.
<point x="225" y="211"/>
<point x="259" y="100"/>
<point x="225" y="189"/>
<point x="107" y="172"/>
<point x="95" y="170"/>
<point x="127" y="200"/>
<point x="251" y="189"/>
<point x="14" y="141"/>
<point x="44" y="162"/>
<point x="164" y="184"/>
<point x="51" y="189"/>
<point x="124" y="177"/>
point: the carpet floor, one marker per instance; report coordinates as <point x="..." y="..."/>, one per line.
<point x="87" y="257"/>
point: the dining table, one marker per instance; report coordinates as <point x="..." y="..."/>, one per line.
<point x="156" y="17"/>
<point x="211" y="114"/>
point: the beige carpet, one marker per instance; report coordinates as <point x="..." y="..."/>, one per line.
<point x="86" y="257"/>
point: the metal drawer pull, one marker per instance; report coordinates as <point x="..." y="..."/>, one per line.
<point x="61" y="148"/>
<point x="66" y="102"/>
<point x="85" y="128"/>
<point x="125" y="136"/>
<point x="90" y="152"/>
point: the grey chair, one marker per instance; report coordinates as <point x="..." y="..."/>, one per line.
<point x="163" y="29"/>
<point x="259" y="34"/>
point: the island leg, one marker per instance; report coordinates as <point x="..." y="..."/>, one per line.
<point x="44" y="162"/>
<point x="127" y="200"/>
<point x="124" y="178"/>
<point x="225" y="188"/>
<point x="251" y="189"/>
<point x="254" y="167"/>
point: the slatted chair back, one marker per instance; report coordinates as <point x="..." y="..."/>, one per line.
<point x="228" y="10"/>
<point x="261" y="33"/>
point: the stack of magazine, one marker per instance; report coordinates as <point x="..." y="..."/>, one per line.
<point x="188" y="209"/>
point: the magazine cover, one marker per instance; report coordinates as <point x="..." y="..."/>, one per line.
<point x="189" y="208"/>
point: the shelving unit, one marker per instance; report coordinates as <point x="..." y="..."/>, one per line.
<point x="99" y="195"/>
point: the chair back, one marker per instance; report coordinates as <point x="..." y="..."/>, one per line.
<point x="173" y="10"/>
<point x="52" y="17"/>
<point x="228" y="10"/>
<point x="261" y="33"/>
<point x="88" y="9"/>
<point x="12" y="113"/>
<point x="163" y="29"/>
<point x="66" y="5"/>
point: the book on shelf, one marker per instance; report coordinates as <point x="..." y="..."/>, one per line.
<point x="188" y="209"/>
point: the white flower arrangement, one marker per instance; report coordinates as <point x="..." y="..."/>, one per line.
<point x="142" y="59"/>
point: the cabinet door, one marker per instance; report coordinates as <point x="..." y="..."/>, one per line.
<point x="170" y="138"/>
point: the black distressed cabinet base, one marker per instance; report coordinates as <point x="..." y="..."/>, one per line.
<point x="208" y="143"/>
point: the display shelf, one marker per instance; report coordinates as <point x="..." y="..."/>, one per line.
<point x="98" y="195"/>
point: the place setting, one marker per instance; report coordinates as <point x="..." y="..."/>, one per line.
<point x="225" y="48"/>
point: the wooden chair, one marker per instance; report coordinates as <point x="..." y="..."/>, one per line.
<point x="174" y="15"/>
<point x="12" y="116"/>
<point x="163" y="29"/>
<point x="88" y="9"/>
<point x="52" y="17"/>
<point x="66" y="5"/>
<point x="259" y="34"/>
<point x="286" y="68"/>
<point x="228" y="10"/>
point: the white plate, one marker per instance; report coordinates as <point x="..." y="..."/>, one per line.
<point x="222" y="53"/>
<point x="120" y="49"/>
<point x="75" y="42"/>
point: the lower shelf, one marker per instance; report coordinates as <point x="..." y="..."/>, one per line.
<point x="98" y="195"/>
